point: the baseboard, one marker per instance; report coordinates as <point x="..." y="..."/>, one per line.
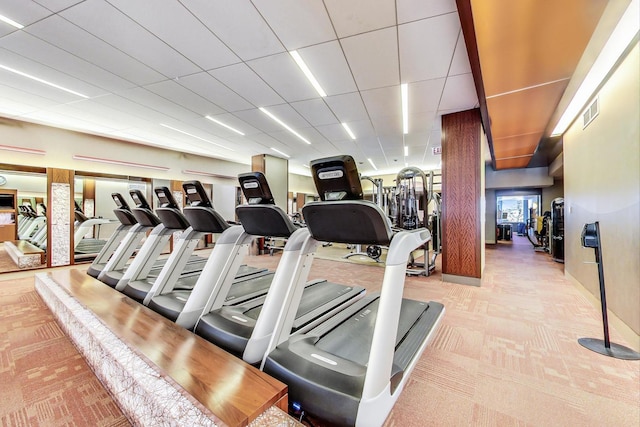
<point x="462" y="280"/>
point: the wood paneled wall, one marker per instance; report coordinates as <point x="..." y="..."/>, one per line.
<point x="461" y="193"/>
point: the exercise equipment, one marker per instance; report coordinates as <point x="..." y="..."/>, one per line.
<point x="372" y="251"/>
<point x="591" y="239"/>
<point x="351" y="368"/>
<point x="557" y="230"/>
<point x="537" y="231"/>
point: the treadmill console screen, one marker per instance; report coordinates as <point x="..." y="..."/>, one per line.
<point x="139" y="199"/>
<point x="120" y="201"/>
<point x="165" y="198"/>
<point x="196" y="194"/>
<point x="337" y="178"/>
<point x="255" y="188"/>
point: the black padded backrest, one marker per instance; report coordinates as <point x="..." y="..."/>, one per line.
<point x="347" y="221"/>
<point x="205" y="219"/>
<point x="196" y="194"/>
<point x="255" y="188"/>
<point x="265" y="220"/>
<point x="169" y="212"/>
<point x="336" y="178"/>
<point x="142" y="212"/>
<point x="123" y="211"/>
<point x="80" y="216"/>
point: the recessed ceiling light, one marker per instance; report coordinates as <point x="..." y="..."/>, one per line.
<point x="307" y="72"/>
<point x="372" y="164"/>
<point x="404" y="89"/>
<point x="280" y="152"/>
<point x="11" y="22"/>
<point x="224" y="125"/>
<point x="38" y="79"/>
<point x="406" y="150"/>
<point x="283" y="124"/>
<point x="195" y="136"/>
<point x="346" y="127"/>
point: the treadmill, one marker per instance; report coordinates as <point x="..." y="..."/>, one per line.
<point x="86" y="247"/>
<point x="350" y="369"/>
<point x="245" y="328"/>
<point x="203" y="220"/>
<point x="127" y="222"/>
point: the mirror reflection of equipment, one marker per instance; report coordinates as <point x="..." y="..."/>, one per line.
<point x="591" y="239"/>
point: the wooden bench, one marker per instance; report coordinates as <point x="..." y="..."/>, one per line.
<point x="24" y="254"/>
<point x="154" y="369"/>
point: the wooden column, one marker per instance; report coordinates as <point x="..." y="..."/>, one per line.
<point x="89" y="197"/>
<point x="60" y="217"/>
<point x="462" y="197"/>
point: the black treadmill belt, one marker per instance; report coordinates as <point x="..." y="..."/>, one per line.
<point x="351" y="340"/>
<point x="249" y="286"/>
<point x="313" y="296"/>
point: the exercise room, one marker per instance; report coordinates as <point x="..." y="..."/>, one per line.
<point x="319" y="213"/>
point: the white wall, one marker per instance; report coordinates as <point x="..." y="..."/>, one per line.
<point x="602" y="183"/>
<point x="518" y="178"/>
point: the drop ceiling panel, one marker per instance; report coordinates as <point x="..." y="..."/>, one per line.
<point x="388" y="125"/>
<point x="67" y="122"/>
<point x="34" y="88"/>
<point x="163" y="23"/>
<point x="525" y="111"/>
<point x="360" y="16"/>
<point x="297" y="23"/>
<point x="373" y="58"/>
<point x="284" y="76"/>
<point x="420" y="122"/>
<point x="119" y="103"/>
<point x="239" y="25"/>
<point x="460" y="63"/>
<point x="234" y="122"/>
<point x="362" y="129"/>
<point x="426" y="47"/>
<point x="73" y="39"/>
<point x="14" y="109"/>
<point x="245" y="82"/>
<point x="534" y="55"/>
<point x="516" y="145"/>
<point x="459" y="93"/>
<point x="211" y="89"/>
<point x="34" y="101"/>
<point x="383" y="102"/>
<point x="334" y="133"/>
<point x="258" y="120"/>
<point x="424" y="96"/>
<point x="178" y="94"/>
<point x="290" y="140"/>
<point x="315" y="111"/>
<point x="347" y="107"/>
<point x="97" y="113"/>
<point x="57" y="5"/>
<point x="288" y="115"/>
<point x="329" y="67"/>
<point x="23" y="43"/>
<point x="158" y="103"/>
<point x="115" y="28"/>
<point x="413" y="10"/>
<point x="24" y="12"/>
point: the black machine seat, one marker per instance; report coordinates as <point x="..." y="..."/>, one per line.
<point x="123" y="211"/>
<point x="200" y="213"/>
<point x="80" y="216"/>
<point x="142" y="212"/>
<point x="169" y="211"/>
<point x="261" y="217"/>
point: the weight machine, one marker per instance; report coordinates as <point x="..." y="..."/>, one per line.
<point x="414" y="193"/>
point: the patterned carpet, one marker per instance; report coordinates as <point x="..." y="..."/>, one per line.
<point x="506" y="353"/>
<point x="44" y="380"/>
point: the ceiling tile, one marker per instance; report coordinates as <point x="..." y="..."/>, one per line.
<point x="205" y="85"/>
<point x="413" y="10"/>
<point x="258" y="120"/>
<point x="334" y="133"/>
<point x="131" y="107"/>
<point x="177" y="27"/>
<point x="315" y="111"/>
<point x="372" y="58"/>
<point x="57" y="5"/>
<point x="25" y="44"/>
<point x="80" y="43"/>
<point x="24" y="12"/>
<point x="297" y="23"/>
<point x="426" y="47"/>
<point x="347" y="107"/>
<point x="424" y="96"/>
<point x="361" y="16"/>
<point x="245" y="82"/>
<point x="239" y="25"/>
<point x="383" y="102"/>
<point x="115" y="28"/>
<point x="284" y="76"/>
<point x="147" y="98"/>
<point x="459" y="93"/>
<point x="460" y="63"/>
<point x="178" y="94"/>
<point x="229" y="120"/>
<point x="362" y="129"/>
<point x="288" y="115"/>
<point x="329" y="66"/>
<point x="17" y="96"/>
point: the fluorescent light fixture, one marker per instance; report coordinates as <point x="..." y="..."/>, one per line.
<point x="22" y="150"/>
<point x="404" y="91"/>
<point x="622" y="35"/>
<point x="280" y="152"/>
<point x="306" y="166"/>
<point x="307" y="72"/>
<point x="195" y="136"/>
<point x="11" y="22"/>
<point x="119" y="162"/>
<point x="215" y="175"/>
<point x="283" y="124"/>
<point x="372" y="164"/>
<point x="224" y="125"/>
<point x="48" y="83"/>
<point x="346" y="127"/>
<point x="406" y="150"/>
